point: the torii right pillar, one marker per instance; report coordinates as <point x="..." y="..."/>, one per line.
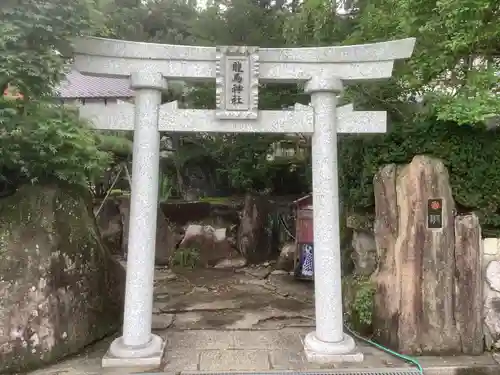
<point x="328" y="343"/>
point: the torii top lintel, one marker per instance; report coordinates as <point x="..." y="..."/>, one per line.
<point x="118" y="58"/>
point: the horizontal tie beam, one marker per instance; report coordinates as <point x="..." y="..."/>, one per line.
<point x="172" y="119"/>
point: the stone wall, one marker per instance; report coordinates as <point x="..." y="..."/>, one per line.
<point x="491" y="268"/>
<point x="224" y="233"/>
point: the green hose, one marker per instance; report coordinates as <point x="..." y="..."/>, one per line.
<point x="387" y="350"/>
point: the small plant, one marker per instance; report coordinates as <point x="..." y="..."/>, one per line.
<point x="359" y="293"/>
<point x="186" y="258"/>
<point x="363" y="302"/>
<point x="165" y="189"/>
<point x="117" y="192"/>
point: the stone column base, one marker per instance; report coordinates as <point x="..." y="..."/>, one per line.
<point x="318" y="351"/>
<point x="121" y="355"/>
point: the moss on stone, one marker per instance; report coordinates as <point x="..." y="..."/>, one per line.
<point x="62" y="288"/>
<point x="215" y="200"/>
<point x="360" y="221"/>
<point x="59" y="212"/>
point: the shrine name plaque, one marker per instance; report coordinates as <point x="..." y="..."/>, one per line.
<point x="237" y="82"/>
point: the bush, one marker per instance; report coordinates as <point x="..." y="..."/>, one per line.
<point x="471" y="154"/>
<point x="186" y="258"/>
<point x="358" y="295"/>
<point x="43" y="142"/>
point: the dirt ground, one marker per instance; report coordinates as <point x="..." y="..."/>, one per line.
<point x="250" y="298"/>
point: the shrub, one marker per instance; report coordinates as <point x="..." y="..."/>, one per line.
<point x="186" y="258"/>
<point x="43" y="142"/>
<point x="471" y="154"/>
<point x="358" y="295"/>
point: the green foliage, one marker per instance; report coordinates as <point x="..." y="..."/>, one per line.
<point x="241" y="22"/>
<point x="186" y="258"/>
<point x="244" y="165"/>
<point x="240" y="163"/>
<point x="31" y="32"/>
<point x="116" y="143"/>
<point x="165" y="189"/>
<point x="363" y="303"/>
<point x="118" y="193"/>
<point x="471" y="154"/>
<point x="358" y="310"/>
<point x="454" y="65"/>
<point x="45" y="142"/>
<point x="41" y="141"/>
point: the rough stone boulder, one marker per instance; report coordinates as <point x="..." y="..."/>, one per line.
<point x="360" y="222"/>
<point x="211" y="244"/>
<point x="286" y="259"/>
<point x="492" y="304"/>
<point x="109" y="221"/>
<point x="491" y="267"/>
<point x="362" y="243"/>
<point x="60" y="290"/>
<point x="491" y="251"/>
<point x="468" y="301"/>
<point x="428" y="283"/>
<point x="255" y="234"/>
<point x="364" y="253"/>
<point x="167" y="235"/>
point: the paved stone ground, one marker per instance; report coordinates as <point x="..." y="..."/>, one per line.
<point x="244" y="320"/>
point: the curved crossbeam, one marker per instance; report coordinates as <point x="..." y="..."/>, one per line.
<point x="117" y="58"/>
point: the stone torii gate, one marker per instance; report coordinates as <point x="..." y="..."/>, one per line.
<point x="237" y="72"/>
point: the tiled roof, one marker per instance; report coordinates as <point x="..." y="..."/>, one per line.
<point x="78" y="86"/>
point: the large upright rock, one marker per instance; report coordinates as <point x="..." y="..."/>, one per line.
<point x="387" y="295"/>
<point x="60" y="290"/>
<point x="469" y="283"/>
<point x="255" y="235"/>
<point x="417" y="282"/>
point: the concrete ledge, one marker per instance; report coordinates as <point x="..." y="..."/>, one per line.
<point x="438" y="370"/>
<point x="463" y="370"/>
<point x="322" y="358"/>
<point x="153" y="362"/>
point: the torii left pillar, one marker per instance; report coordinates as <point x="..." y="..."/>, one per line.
<point x="137" y="344"/>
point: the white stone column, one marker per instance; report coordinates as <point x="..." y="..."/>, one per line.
<point x="328" y="343"/>
<point x="137" y="345"/>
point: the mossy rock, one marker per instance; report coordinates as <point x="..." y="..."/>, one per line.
<point x="360" y="221"/>
<point x="61" y="290"/>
